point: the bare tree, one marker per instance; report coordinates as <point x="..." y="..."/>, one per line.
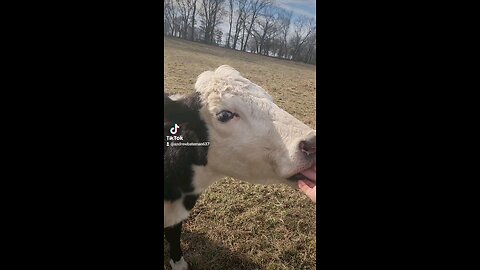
<point x="284" y="18"/>
<point x="241" y="13"/>
<point x="170" y="15"/>
<point x="166" y="23"/>
<point x="309" y="56"/>
<point x="254" y="44"/>
<point x="185" y="8"/>
<point x="211" y="17"/>
<point x="304" y="27"/>
<point x="193" y="19"/>
<point x="267" y="24"/>
<point x="244" y="28"/>
<point x="178" y="27"/>
<point x="217" y="18"/>
<point x="230" y="21"/>
<point x="276" y="46"/>
<point x="218" y="36"/>
<point x="255" y="7"/>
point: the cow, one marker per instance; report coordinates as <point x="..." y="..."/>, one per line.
<point x="240" y="133"/>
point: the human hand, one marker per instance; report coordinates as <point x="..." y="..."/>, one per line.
<point x="309" y="187"/>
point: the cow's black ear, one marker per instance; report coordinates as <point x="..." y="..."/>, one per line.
<point x="173" y="110"/>
<point x="168" y="107"/>
<point x="166" y="99"/>
<point x="178" y="111"/>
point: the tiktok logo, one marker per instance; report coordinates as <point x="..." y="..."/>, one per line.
<point x="174" y="129"/>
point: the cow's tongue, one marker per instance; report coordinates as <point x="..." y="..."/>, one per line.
<point x="310" y="173"/>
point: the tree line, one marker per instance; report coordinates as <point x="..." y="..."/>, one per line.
<point x="257" y="26"/>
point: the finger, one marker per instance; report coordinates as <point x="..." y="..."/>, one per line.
<point x="312" y="194"/>
<point x="303" y="186"/>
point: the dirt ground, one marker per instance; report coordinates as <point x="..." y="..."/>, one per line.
<point x="236" y="225"/>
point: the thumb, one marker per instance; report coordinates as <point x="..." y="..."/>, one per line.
<point x="310" y="192"/>
<point x="303" y="187"/>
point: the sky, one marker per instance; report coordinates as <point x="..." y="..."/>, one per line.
<point x="300" y="7"/>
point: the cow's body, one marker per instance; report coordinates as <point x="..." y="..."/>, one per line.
<point x="223" y="111"/>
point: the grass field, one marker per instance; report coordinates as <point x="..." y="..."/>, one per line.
<point x="236" y="225"/>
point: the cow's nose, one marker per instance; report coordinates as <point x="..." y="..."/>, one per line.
<point x="309" y="145"/>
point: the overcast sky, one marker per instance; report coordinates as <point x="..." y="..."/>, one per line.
<point x="300" y="7"/>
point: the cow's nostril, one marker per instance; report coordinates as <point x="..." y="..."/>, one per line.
<point x="309" y="146"/>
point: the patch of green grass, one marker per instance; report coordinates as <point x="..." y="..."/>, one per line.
<point x="237" y="225"/>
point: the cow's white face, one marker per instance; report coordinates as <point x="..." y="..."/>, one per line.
<point x="251" y="138"/>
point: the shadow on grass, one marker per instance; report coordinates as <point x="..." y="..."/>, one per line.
<point x="201" y="254"/>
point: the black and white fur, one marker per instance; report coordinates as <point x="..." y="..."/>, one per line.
<point x="178" y="188"/>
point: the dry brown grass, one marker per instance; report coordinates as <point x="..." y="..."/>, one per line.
<point x="236" y="225"/>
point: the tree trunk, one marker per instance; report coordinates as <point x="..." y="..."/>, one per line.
<point x="248" y="35"/>
<point x="207" y="24"/>
<point x="254" y="17"/>
<point x="212" y="31"/>
<point x="237" y="31"/>
<point x="193" y="19"/>
<point x="243" y="35"/>
<point x="262" y="40"/>
<point x="230" y="23"/>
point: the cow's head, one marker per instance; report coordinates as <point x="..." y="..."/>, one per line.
<point x="251" y="138"/>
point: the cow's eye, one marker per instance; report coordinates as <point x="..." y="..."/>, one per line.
<point x="225" y="116"/>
